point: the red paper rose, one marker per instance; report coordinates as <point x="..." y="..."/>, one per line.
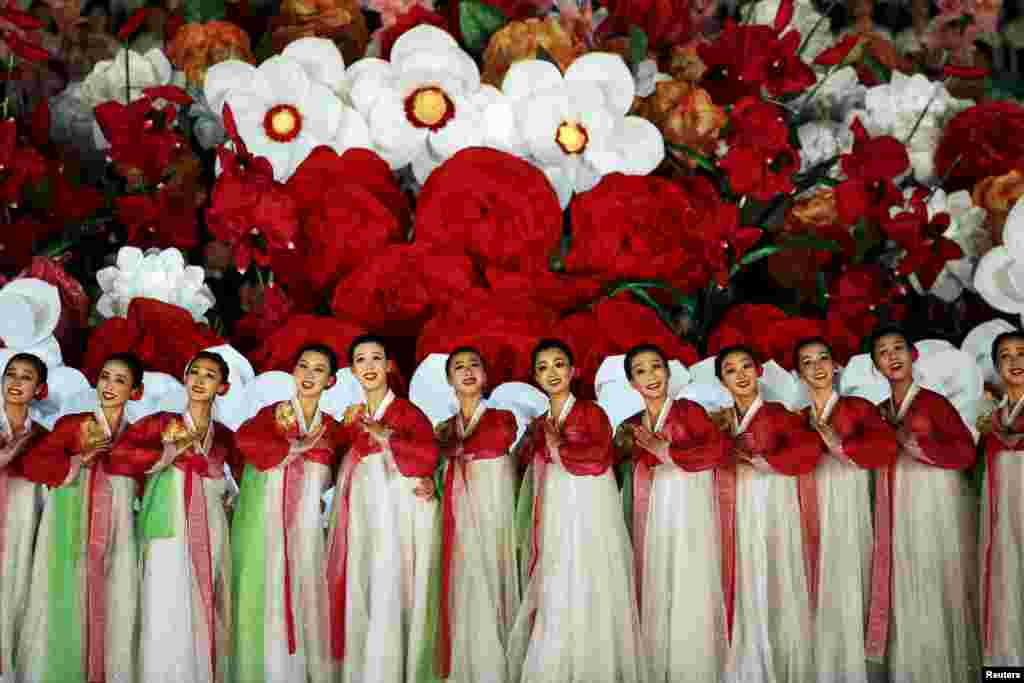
<point x="18" y="241"/>
<point x="613" y="327"/>
<point x="985" y="140"/>
<point x="279" y="350"/>
<point x="398" y="288"/>
<point x="164" y="336"/>
<point x="500" y="209"/>
<point x="764" y="328"/>
<point x="634" y="228"/>
<point x="556" y="291"/>
<point x="504" y="328"/>
<point x="269" y="314"/>
<point x="346" y="205"/>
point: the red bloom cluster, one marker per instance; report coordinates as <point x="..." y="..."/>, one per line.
<point x="760" y="161"/>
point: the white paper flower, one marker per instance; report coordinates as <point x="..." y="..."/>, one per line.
<point x="1000" y="274"/>
<point x="156" y="274"/>
<point x="575" y="126"/>
<point x="895" y="107"/>
<point x="967" y="229"/>
<point x="823" y="140"/>
<point x="837" y="93"/>
<point x="287" y="106"/>
<point x="805" y="18"/>
<point x="108" y="79"/>
<point x="427" y="103"/>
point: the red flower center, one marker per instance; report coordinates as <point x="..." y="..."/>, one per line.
<point x="572" y="137"/>
<point x="282" y="123"/>
<point x="429" y="108"/>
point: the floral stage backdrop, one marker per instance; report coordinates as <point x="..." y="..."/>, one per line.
<point x="690" y="173"/>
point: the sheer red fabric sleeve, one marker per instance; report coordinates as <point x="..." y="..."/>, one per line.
<point x="942" y="436"/>
<point x="586" y="448"/>
<point x="868" y="440"/>
<point x="702" y="445"/>
<point x="412" y="440"/>
<point x="795" y="449"/>
<point x="141" y="445"/>
<point x="258" y="441"/>
<point x="49" y="460"/>
<point x="224" y="438"/>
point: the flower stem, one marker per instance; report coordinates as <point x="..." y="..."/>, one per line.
<point x="7" y="85"/>
<point x="814" y="29"/>
<point x="127" y="76"/>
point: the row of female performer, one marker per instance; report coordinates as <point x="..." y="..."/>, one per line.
<point x="763" y="547"/>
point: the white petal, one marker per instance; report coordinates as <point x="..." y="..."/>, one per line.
<point x="530" y="76"/>
<point x="160" y="64"/>
<point x="539" y="120"/>
<point x="465" y="129"/>
<point x="587" y="97"/>
<point x="249" y="111"/>
<point x="223" y="78"/>
<point x="1013" y="230"/>
<point x="424" y="164"/>
<point x="638" y="145"/>
<point x="586" y="176"/>
<point x="422" y="37"/>
<point x="353" y="132"/>
<point x="320" y="58"/>
<point x="993" y="281"/>
<point x="286" y="79"/>
<point x="609" y="73"/>
<point x="501" y="131"/>
<point x="321" y="111"/>
<point x="437" y="65"/>
<point x="397" y="140"/>
<point x="298" y="149"/>
<point x="105" y="277"/>
<point x="129" y="258"/>
<point x="368" y="88"/>
<point x="561" y="183"/>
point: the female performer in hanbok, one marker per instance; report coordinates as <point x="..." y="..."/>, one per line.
<point x="854" y="439"/>
<point x="83" y="604"/>
<point x="777" y="530"/>
<point x="280" y="624"/>
<point x="479" y="577"/>
<point x="924" y="578"/>
<point x="1002" y="524"/>
<point x="681" y="484"/>
<point x="185" y="598"/>
<point x="578" y="622"/>
<point x="24" y="381"/>
<point x="381" y="543"/>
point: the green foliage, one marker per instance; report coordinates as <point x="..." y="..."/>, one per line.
<point x="478" y="22"/>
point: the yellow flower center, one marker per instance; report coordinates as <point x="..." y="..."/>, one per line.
<point x="429" y="106"/>
<point x="282" y="123"/>
<point x="571" y="137"/>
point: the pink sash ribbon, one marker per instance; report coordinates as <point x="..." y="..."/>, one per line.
<point x="643" y="479"/>
<point x="4" y="478"/>
<point x="876" y="639"/>
<point x="291" y="498"/>
<point x="810" y="532"/>
<point x="101" y="501"/>
<point x="992" y="449"/>
<point x="337" y="559"/>
<point x="725" y="487"/>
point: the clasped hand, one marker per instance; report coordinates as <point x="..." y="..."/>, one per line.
<point x="655" y="444"/>
<point x="96" y="450"/>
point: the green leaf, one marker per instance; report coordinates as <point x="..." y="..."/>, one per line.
<point x="863" y="242"/>
<point x="637" y="45"/>
<point x="201" y="11"/>
<point x="478" y="21"/>
<point x="798" y="242"/>
<point x="698" y="158"/>
<point x="881" y="71"/>
<point x="822" y="290"/>
<point x="1004" y="88"/>
<point x="755" y="255"/>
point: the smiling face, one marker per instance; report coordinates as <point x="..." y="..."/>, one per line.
<point x="203" y="381"/>
<point x="467" y="375"/>
<point x="312" y="374"/>
<point x="553" y="371"/>
<point x="21" y="380"/>
<point x="115" y="384"/>
<point x="370" y="365"/>
<point x="816" y="366"/>
<point x="739" y="375"/>
<point x="893" y="357"/>
<point x="1011" y="362"/>
<point x="649" y="375"/>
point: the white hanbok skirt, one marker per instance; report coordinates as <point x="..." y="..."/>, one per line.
<point x="578" y="621"/>
<point x="19" y="532"/>
<point x="1007" y="599"/>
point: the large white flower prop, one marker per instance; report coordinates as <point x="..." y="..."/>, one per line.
<point x="112" y="79"/>
<point x="618" y="397"/>
<point x="427" y="103"/>
<point x="575" y="126"/>
<point x="29" y="312"/>
<point x="913" y="109"/>
<point x="155" y="274"/>
<point x="1000" y="274"/>
<point x="287" y="106"/>
<point x="967" y="229"/>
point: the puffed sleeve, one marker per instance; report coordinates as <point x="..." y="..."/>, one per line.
<point x="586" y="448"/>
<point x="871" y="442"/>
<point x="412" y="440"/>
<point x="258" y="442"/>
<point x="49" y="460"/>
<point x="702" y="446"/>
<point x="949" y="443"/>
<point x="141" y="445"/>
<point x="795" y="449"/>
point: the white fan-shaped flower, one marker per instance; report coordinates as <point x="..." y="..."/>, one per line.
<point x="288" y="106"/>
<point x="1000" y="274"/>
<point x="155" y="274"/>
<point x="618" y="397"/>
<point x="575" y="126"/>
<point x="427" y="103"/>
<point x="978" y="345"/>
<point x="110" y="80"/>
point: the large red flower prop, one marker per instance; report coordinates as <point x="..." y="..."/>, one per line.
<point x="870" y="169"/>
<point x="984" y="140"/>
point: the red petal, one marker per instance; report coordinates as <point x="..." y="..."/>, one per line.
<point x="25" y="49"/>
<point x="745" y="238"/>
<point x="905" y="229"/>
<point x="132" y="25"/>
<point x="965" y="72"/>
<point x="171" y="93"/>
<point x="22" y="20"/>
<point x="860" y="134"/>
<point x="783" y="15"/>
<point x="40" y="124"/>
<point x="838" y="52"/>
<point x="8" y="140"/>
